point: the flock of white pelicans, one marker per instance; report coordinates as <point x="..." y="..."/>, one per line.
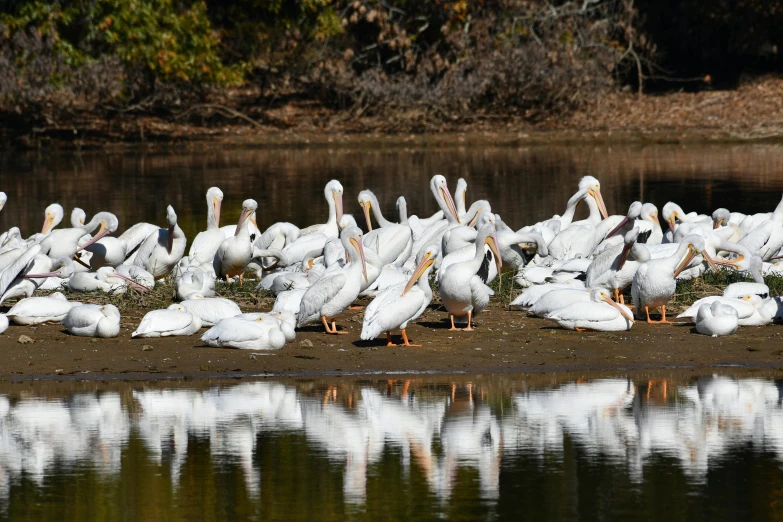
<point x="575" y="271"/>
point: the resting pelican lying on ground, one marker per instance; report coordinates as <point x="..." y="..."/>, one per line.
<point x="91" y="320"/>
<point x="600" y="314"/>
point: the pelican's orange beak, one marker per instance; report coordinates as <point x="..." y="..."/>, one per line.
<point x="596" y="193"/>
<point x="102" y="231"/>
<point x="216" y="203"/>
<point x="620" y="309"/>
<point x="426" y="262"/>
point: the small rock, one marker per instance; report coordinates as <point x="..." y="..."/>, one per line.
<point x="24" y="339"/>
<point x="146" y="348"/>
<point x="307" y="343"/>
<point x="504" y="334"/>
<point x="93" y="340"/>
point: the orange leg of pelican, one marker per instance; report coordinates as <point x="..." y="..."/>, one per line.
<point x="453" y="328"/>
<point x="355" y="307"/>
<point x="663" y="316"/>
<point x="405" y="338"/>
<point x="469" y="328"/>
<point x="616" y="295"/>
<point x="334" y="330"/>
<point x="389" y="341"/>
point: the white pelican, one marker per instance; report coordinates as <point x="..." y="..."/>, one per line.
<point x="264" y="333"/>
<point x="210" y="310"/>
<point x="392" y="242"/>
<point x="54" y="214"/>
<point x="333" y="192"/>
<point x="655" y="281"/>
<point x="530" y="295"/>
<point x="627" y="223"/>
<point x="164" y="323"/>
<point x="600" y="314"/>
<point x="744" y="307"/>
<point x="3" y="317"/>
<point x="195" y="281"/>
<point x="615" y="267"/>
<point x="106" y="279"/>
<point x="460" y="198"/>
<point x="91" y="320"/>
<point x="64" y="242"/>
<point x="36" y="274"/>
<point x="278" y="236"/>
<point x="206" y="243"/>
<point x="138" y="275"/>
<point x="235" y="253"/>
<point x="334" y="292"/>
<point x="716" y="319"/>
<point x="589" y="190"/>
<point x="517" y="247"/>
<point x="672" y="213"/>
<point x="3" y="199"/>
<point x="468" y="251"/>
<point x="161" y="252"/>
<point x="252" y="228"/>
<point x="580" y="241"/>
<point x="766" y="239"/>
<point x="752" y="310"/>
<point x="285" y="319"/>
<point x="433" y="234"/>
<point x="420" y="223"/>
<point x="290" y="301"/>
<point x="462" y="285"/>
<point x="114" y="251"/>
<point x="558" y="299"/>
<point x="36" y="310"/>
<point x="745" y="261"/>
<point x="400" y="304"/>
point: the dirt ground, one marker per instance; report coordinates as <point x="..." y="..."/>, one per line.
<point x="504" y="341"/>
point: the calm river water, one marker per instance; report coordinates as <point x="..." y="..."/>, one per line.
<point x="524" y="185"/>
<point x="500" y="447"/>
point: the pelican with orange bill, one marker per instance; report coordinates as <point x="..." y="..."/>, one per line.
<point x="463" y="287"/>
<point x="336" y="290"/>
<point x="656" y="280"/>
<point x="599" y="314"/>
<point x="400" y="304"/>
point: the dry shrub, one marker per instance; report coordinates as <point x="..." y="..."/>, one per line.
<point x="509" y="54"/>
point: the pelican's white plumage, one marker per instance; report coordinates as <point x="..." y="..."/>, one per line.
<point x="161" y="251"/>
<point x="206" y="243"/>
<point x="35" y="310"/>
<point x="333" y="192"/>
<point x="334" y="292"/>
<point x="3" y="317"/>
<point x="195" y="281"/>
<point x="716" y="319"/>
<point x="164" y="323"/>
<point x="235" y="253"/>
<point x="530" y="295"/>
<point x="91" y="320"/>
<point x="260" y="334"/>
<point x="600" y="314"/>
<point x="400" y="304"/>
<point x="210" y="310"/>
<point x="462" y="286"/>
<point x="557" y="300"/>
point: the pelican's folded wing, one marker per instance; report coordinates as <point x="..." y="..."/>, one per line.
<point x="320" y="293"/>
<point x="586" y="311"/>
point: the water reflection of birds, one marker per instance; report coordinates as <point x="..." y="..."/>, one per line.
<point x="437" y="430"/>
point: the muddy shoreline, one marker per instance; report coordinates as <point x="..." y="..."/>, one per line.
<point x="504" y="342"/>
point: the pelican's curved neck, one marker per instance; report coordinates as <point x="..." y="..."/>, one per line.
<point x="568" y="216"/>
<point x="595" y="214"/>
<point x="402" y="210"/>
<point x="211" y="222"/>
<point x="640" y="252"/>
<point x="674" y="260"/>
<point x="376" y="211"/>
<point x="332" y="221"/>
